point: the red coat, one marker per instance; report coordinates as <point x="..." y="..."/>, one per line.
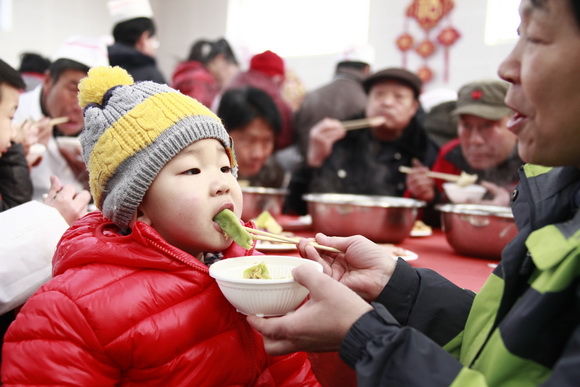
<point x="193" y="79"/>
<point x="133" y="311"/>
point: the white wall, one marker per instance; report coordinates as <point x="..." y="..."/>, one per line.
<point x="42" y="26"/>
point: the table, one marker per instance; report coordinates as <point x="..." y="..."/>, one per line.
<point x="433" y="253"/>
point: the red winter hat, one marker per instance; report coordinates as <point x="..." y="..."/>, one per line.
<point x="268" y="63"/>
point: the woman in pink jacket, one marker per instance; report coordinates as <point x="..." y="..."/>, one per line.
<point x="131" y="301"/>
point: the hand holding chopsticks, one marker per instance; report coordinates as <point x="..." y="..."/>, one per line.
<point x="464" y="179"/>
<point x="363" y="123"/>
<point x="267" y="236"/>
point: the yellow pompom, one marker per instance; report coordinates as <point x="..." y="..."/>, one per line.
<point x="99" y="80"/>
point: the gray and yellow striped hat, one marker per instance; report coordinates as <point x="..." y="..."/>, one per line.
<point x="131" y="131"/>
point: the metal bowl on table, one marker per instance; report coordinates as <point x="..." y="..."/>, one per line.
<point x="258" y="199"/>
<point x="383" y="219"/>
<point x="477" y="230"/>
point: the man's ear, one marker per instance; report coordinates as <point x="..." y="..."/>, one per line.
<point x="46" y="82"/>
<point x="416" y="105"/>
<point x="142" y="41"/>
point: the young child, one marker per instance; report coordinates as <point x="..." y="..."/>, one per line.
<point x="15" y="184"/>
<point x="131" y="301"/>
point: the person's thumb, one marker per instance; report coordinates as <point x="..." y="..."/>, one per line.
<point x="415" y="162"/>
<point x="309" y="277"/>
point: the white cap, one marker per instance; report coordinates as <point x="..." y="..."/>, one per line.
<point x="123" y="10"/>
<point x="90" y="51"/>
<point x="358" y="53"/>
<point x="434" y="97"/>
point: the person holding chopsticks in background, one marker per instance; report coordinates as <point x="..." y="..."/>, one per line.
<point x="29" y="230"/>
<point x="341" y="98"/>
<point x="484" y="147"/>
<point x="397" y="325"/>
<point x="56" y="98"/>
<point x="366" y="160"/>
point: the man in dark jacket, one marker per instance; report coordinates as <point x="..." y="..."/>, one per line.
<point x="366" y="161"/>
<point x="135" y="41"/>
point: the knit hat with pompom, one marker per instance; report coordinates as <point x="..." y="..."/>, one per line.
<point x="131" y="131"/>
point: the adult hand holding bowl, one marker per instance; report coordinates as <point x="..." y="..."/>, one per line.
<point x="275" y="296"/>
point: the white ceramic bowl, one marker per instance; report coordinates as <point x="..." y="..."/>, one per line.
<point x="458" y="194"/>
<point x="262" y="297"/>
<point x="72" y="144"/>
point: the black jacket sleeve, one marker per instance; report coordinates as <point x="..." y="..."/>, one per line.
<point x="385" y="354"/>
<point x="15" y="183"/>
<point x="426" y="301"/>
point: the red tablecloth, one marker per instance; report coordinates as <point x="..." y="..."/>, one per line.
<point x="434" y="253"/>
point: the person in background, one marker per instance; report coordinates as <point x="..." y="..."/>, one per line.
<point x="438" y="120"/>
<point x="267" y="71"/>
<point x="135" y="40"/>
<point x="341" y="99"/>
<point x="32" y="68"/>
<point x="56" y="97"/>
<point x="15" y="184"/>
<point x="523" y="328"/>
<point x="366" y="161"/>
<point x="132" y="301"/>
<point x="293" y="90"/>
<point x="223" y="64"/>
<point x="485" y="147"/>
<point x="29" y="230"/>
<point x="440" y="124"/>
<point x="192" y="78"/>
<point x="252" y="119"/>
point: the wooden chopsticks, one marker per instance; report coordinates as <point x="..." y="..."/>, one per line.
<point x="362" y="123"/>
<point x="267" y="236"/>
<point x="463" y="179"/>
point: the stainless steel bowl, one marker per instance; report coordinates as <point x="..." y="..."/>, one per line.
<point x="478" y="230"/>
<point x="379" y="218"/>
<point x="258" y="199"/>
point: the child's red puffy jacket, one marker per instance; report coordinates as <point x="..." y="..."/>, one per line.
<point x="135" y="311"/>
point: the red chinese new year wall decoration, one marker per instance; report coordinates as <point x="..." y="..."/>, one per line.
<point x="428" y="14"/>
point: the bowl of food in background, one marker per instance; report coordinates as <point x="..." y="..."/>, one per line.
<point x="477" y="230"/>
<point x="261" y="285"/>
<point x="259" y="199"/>
<point x="463" y="194"/>
<point x="383" y="219"/>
